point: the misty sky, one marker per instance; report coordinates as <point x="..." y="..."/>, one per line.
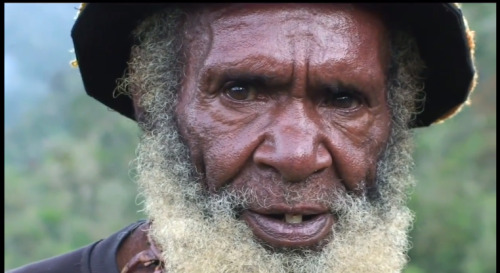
<point x="37" y="45"/>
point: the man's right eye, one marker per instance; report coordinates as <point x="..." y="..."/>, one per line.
<point x="240" y="92"/>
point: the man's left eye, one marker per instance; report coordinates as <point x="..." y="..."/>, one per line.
<point x="240" y="92"/>
<point x="342" y="100"/>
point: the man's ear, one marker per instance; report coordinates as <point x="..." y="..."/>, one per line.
<point x="138" y="109"/>
<point x="134" y="90"/>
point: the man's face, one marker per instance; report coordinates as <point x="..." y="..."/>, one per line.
<point x="279" y="153"/>
<point x="288" y="104"/>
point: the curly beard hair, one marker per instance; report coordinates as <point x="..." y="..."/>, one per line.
<point x="198" y="232"/>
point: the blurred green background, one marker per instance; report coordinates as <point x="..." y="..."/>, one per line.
<point x="67" y="181"/>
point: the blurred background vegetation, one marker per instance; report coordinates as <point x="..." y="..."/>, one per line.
<point x="67" y="181"/>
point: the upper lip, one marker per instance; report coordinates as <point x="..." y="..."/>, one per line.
<point x="302" y="209"/>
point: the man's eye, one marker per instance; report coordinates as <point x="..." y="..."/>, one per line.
<point x="342" y="100"/>
<point x="240" y="92"/>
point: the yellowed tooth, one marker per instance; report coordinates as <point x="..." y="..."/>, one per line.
<point x="293" y="218"/>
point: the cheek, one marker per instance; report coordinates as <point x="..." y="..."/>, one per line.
<point x="356" y="146"/>
<point x="221" y="141"/>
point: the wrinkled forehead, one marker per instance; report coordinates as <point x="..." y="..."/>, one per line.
<point x="319" y="28"/>
<point x="240" y="13"/>
<point x="337" y="16"/>
<point x="339" y="42"/>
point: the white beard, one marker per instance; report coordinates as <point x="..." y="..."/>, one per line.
<point x="368" y="236"/>
<point x="201" y="234"/>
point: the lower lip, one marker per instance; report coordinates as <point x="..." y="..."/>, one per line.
<point x="278" y="233"/>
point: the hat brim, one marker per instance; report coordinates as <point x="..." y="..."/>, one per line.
<point x="102" y="40"/>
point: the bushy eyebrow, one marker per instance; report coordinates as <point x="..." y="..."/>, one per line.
<point x="269" y="71"/>
<point x="261" y="70"/>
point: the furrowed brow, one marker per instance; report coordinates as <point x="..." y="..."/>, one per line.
<point x="267" y="72"/>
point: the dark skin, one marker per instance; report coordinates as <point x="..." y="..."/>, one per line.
<point x="133" y="244"/>
<point x="288" y="102"/>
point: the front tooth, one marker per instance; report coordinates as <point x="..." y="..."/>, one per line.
<point x="293" y="218"/>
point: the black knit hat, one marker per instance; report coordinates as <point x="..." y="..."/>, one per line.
<point x="102" y="40"/>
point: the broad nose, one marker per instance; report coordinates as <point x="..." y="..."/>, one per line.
<point x="294" y="145"/>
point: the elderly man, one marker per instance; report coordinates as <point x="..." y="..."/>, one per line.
<point x="276" y="137"/>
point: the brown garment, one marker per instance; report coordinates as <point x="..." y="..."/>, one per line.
<point x="98" y="257"/>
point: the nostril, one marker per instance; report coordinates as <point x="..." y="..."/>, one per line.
<point x="293" y="154"/>
<point x="318" y="171"/>
<point x="267" y="167"/>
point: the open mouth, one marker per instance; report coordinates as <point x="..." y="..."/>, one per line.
<point x="291" y="229"/>
<point x="292" y="218"/>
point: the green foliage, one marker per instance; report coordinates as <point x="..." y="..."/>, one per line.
<point x="455" y="199"/>
<point x="67" y="182"/>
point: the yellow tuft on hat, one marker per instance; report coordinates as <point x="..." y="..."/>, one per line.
<point x="74" y="63"/>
